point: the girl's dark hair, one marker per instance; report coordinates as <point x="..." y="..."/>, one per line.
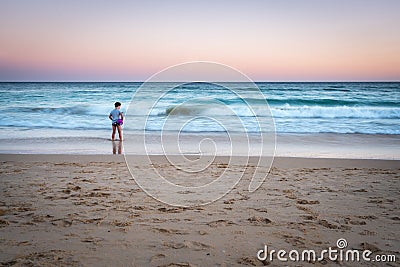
<point x="117" y="104"/>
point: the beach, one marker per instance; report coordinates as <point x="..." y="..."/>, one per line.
<point x="87" y="210"/>
<point x="329" y="153"/>
<point x="248" y="134"/>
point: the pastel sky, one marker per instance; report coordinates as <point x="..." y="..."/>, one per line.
<point x="286" y="40"/>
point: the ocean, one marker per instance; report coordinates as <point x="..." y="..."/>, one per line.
<point x="50" y="110"/>
<point x="366" y="108"/>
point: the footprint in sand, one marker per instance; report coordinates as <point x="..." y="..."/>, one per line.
<point x="220" y="223"/>
<point x="259" y="220"/>
<point x="41" y="218"/>
<point x="179" y="264"/>
<point x="157" y="220"/>
<point x="186" y="192"/>
<point x="98" y="194"/>
<point x="201" y="232"/>
<point x="360" y="190"/>
<point x="171" y="210"/>
<point x="158" y="257"/>
<point x="73" y="187"/>
<point x="195" y="245"/>
<point x="307" y="202"/>
<point x="139" y="208"/>
<point x="371" y="247"/>
<point x="289" y="194"/>
<point x="263" y="210"/>
<point x="327" y="224"/>
<point x="174" y="245"/>
<point x="354" y="222"/>
<point x="368" y="217"/>
<point x="45" y="258"/>
<point x="4" y="223"/>
<point x="61" y="223"/>
<point x="252" y="261"/>
<point x="121" y="223"/>
<point x="308" y="217"/>
<point x="229" y="201"/>
<point x="170" y="231"/>
<point x="295" y="241"/>
<point x="91" y="239"/>
<point x="369" y="233"/>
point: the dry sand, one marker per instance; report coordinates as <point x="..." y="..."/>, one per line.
<point x="88" y="211"/>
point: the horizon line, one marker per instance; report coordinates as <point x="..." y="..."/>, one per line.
<point x="255" y="81"/>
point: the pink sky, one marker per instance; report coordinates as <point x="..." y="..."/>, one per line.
<point x="267" y="40"/>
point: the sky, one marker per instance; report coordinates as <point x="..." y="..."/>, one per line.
<point x="286" y="40"/>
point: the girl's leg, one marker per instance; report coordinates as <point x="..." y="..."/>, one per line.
<point x="120" y="132"/>
<point x="113" y="132"/>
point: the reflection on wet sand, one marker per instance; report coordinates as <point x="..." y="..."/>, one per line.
<point x="116" y="147"/>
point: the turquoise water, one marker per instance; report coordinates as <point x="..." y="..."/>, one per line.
<point x="81" y="109"/>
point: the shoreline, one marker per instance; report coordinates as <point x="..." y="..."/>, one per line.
<point x="346" y="146"/>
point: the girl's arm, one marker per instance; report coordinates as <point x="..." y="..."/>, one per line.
<point x="122" y="115"/>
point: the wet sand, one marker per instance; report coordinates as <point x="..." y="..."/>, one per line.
<point x="323" y="145"/>
<point x="77" y="210"/>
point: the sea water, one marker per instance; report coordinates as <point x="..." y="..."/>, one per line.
<point x="80" y="110"/>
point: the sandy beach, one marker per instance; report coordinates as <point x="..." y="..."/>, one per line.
<point x="81" y="210"/>
<point x="199" y="133"/>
